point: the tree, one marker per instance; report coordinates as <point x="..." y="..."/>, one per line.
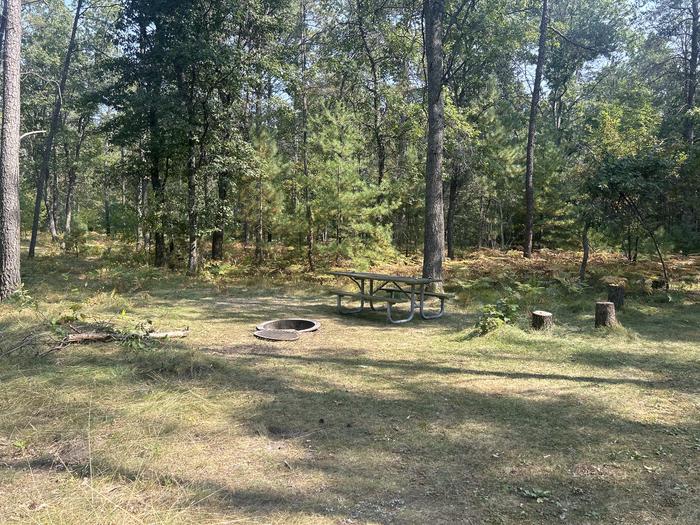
<point x="531" y="130"/>
<point x="9" y="151"/>
<point x="434" y="236"/>
<point x="53" y="129"/>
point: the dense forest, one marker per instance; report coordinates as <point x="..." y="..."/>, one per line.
<point x="335" y="130"/>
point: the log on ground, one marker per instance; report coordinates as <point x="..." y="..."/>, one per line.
<point x="96" y="337"/>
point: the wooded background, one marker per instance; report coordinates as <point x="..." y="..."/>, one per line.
<point x="358" y="128"/>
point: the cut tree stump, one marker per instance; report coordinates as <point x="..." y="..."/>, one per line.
<point x="658" y="284"/>
<point x="616" y="295"/>
<point x="542" y="320"/>
<point x="605" y="314"/>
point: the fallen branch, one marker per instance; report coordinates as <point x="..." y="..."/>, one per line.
<point x="96" y="337"/>
<point x="26" y="341"/>
<point x="167" y="335"/>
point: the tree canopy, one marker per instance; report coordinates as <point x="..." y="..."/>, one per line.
<point x="353" y="129"/>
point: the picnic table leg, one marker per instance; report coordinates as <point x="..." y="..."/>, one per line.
<point x="343" y="311"/>
<point x="410" y="315"/>
<point x="371" y="292"/>
<point x="361" y="286"/>
<point x="422" y="305"/>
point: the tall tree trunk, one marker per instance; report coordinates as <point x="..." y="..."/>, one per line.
<point x="531" y="130"/>
<point x="217" y="236"/>
<point x="376" y="96"/>
<point x="158" y="180"/>
<point x="158" y="185"/>
<point x="52" y="202"/>
<point x="692" y="74"/>
<point x="142" y="212"/>
<point x="192" y="216"/>
<point x="3" y="25"/>
<point x="455" y="185"/>
<point x="304" y="146"/>
<point x="107" y="204"/>
<point x="501" y="226"/>
<point x="434" y="236"/>
<point x="480" y="228"/>
<point x="50" y="218"/>
<point x="586" y="245"/>
<point x="72" y="176"/>
<point x="187" y="93"/>
<point x="53" y="128"/>
<point x="259" y="221"/>
<point x="9" y="151"/>
<point x="222" y="186"/>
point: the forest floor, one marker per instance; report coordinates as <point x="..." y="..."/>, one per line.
<point x="360" y="422"/>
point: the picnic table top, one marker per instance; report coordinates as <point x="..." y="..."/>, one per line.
<point x="386" y="277"/>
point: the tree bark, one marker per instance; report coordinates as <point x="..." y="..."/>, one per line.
<point x="455" y="185"/>
<point x="217" y="236"/>
<point x="107" y="205"/>
<point x="53" y="128"/>
<point x="605" y="314"/>
<point x="159" y="194"/>
<point x="9" y="151"/>
<point x="304" y="145"/>
<point x="49" y="200"/>
<point x="586" y="251"/>
<point x="542" y="320"/>
<point x="158" y="185"/>
<point x="434" y="229"/>
<point x="3" y="25"/>
<point x="72" y="176"/>
<point x="616" y="295"/>
<point x="192" y="216"/>
<point x="531" y="130"/>
<point x="141" y="210"/>
<point x="187" y="93"/>
<point x="51" y="197"/>
<point x="692" y="74"/>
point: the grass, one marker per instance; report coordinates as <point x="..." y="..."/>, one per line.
<point x="360" y="422"/>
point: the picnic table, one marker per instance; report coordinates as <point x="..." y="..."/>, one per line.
<point x="389" y="290"/>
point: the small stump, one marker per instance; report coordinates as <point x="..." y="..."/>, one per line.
<point x="542" y="320"/>
<point x="658" y="284"/>
<point x="605" y="314"/>
<point x="616" y="295"/>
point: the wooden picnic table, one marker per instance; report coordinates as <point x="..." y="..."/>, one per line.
<point x="390" y="290"/>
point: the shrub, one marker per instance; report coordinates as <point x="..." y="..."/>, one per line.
<point x="75" y="241"/>
<point x="493" y="316"/>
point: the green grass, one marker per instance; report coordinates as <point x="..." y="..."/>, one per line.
<point x="360" y="422"/>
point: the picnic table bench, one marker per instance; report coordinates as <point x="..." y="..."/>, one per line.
<point x="389" y="290"/>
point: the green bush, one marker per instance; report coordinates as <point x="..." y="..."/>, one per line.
<point x="493" y="316"/>
<point x="75" y="241"/>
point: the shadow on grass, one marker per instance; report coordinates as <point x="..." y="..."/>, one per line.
<point x="391" y="441"/>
